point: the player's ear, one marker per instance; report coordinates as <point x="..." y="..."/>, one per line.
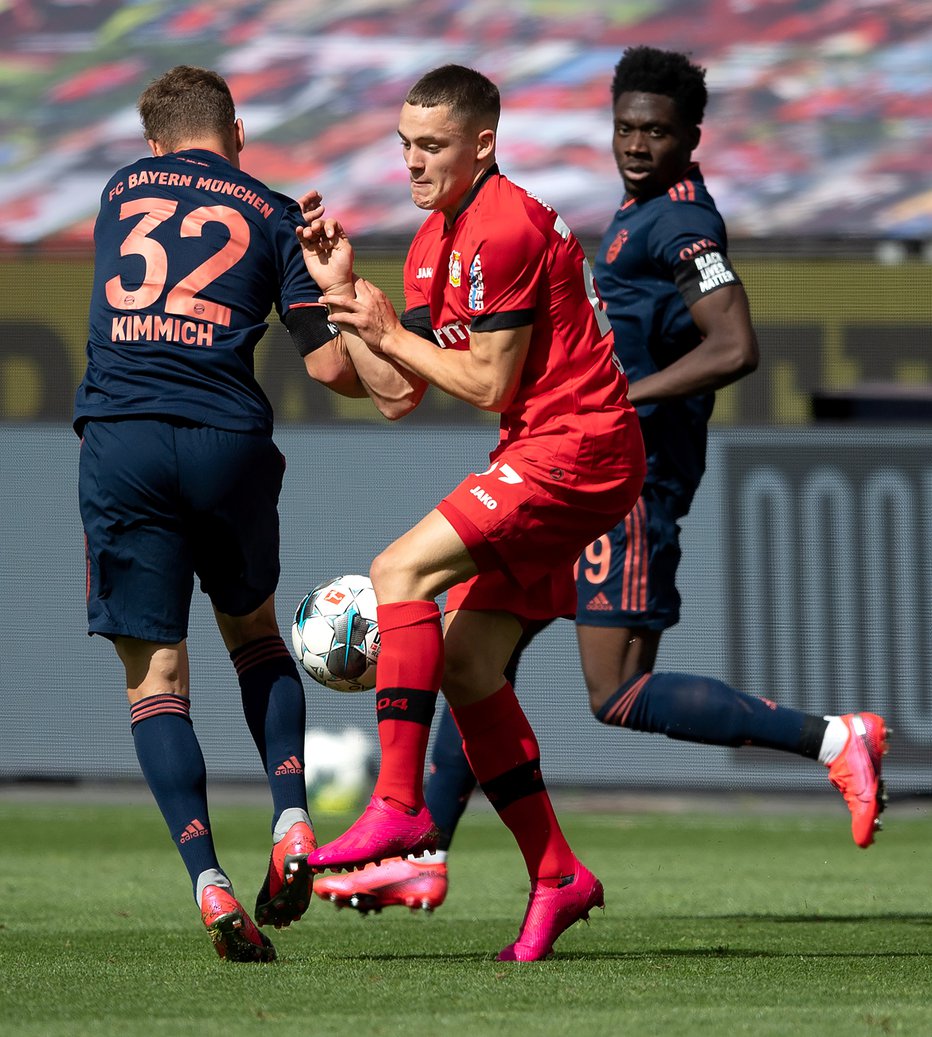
<point x="485" y="144"/>
<point x="240" y="132"/>
<point x="155" y="148"/>
<point x="695" y="135"/>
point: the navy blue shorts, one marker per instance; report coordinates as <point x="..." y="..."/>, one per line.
<point x="163" y="501"/>
<point x="627" y="578"/>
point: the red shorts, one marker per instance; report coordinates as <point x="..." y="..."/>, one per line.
<point x="525" y="521"/>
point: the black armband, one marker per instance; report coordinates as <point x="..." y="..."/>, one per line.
<point x="417" y="321"/>
<point x="309" y="327"/>
<point x="502" y="321"/>
<point x="703" y="274"/>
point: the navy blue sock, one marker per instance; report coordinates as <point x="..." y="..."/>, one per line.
<point x="173" y="766"/>
<point x="451" y="779"/>
<point x="274" y="707"/>
<point x="705" y="710"/>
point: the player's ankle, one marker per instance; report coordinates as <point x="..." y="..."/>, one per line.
<point x="400" y="804"/>
<point x="833" y="741"/>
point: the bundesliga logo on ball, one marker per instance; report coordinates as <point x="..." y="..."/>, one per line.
<point x="335" y="634"/>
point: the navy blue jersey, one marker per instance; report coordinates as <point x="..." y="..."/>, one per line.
<point x="657" y="258"/>
<point x="192" y="255"/>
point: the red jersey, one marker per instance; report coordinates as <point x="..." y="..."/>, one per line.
<point x="510" y="261"/>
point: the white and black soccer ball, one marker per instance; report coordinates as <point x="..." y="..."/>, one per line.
<point x="335" y="633"/>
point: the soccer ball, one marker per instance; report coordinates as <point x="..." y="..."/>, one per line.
<point x="335" y="633"/>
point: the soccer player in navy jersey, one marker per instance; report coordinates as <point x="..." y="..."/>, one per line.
<point x="496" y="279"/>
<point x="682" y="330"/>
<point x="179" y="475"/>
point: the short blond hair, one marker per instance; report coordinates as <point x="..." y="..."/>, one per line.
<point x="186" y="103"/>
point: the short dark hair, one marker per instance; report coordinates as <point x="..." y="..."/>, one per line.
<point x="467" y="93"/>
<point x="185" y="103"/>
<point x="647" y="70"/>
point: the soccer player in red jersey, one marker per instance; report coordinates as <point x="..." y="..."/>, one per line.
<point x="682" y="330"/>
<point x="501" y="313"/>
<point x="179" y="475"/>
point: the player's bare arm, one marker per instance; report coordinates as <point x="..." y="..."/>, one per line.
<point x="486" y="375"/>
<point x="332" y="366"/>
<point x="728" y="351"/>
<point x="346" y="364"/>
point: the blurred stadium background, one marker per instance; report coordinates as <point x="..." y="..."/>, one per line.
<point x="808" y="556"/>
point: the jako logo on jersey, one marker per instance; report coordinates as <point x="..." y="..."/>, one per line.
<point x="424" y="271"/>
<point x="616" y="246"/>
<point x="484" y="497"/>
<point x="456" y="268"/>
<point x="452" y="334"/>
<point x="698" y="246"/>
<point x="476" y="285"/>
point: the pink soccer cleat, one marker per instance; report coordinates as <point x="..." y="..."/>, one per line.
<point x="855" y="772"/>
<point x="382" y="831"/>
<point x="551" y="910"/>
<point x="286" y="892"/>
<point x="399" y="882"/>
<point x="232" y="932"/>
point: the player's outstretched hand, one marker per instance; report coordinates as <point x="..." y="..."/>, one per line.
<point x="371" y="314"/>
<point x="328" y="254"/>
<point x="312" y="205"/>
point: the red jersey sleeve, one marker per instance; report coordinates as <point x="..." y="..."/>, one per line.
<point x="505" y="273"/>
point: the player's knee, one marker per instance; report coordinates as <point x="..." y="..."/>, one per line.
<point x="240" y="630"/>
<point x="153" y="669"/>
<point x="605" y="687"/>
<point x="598" y="687"/>
<point x="467" y="679"/>
<point x="599" y="694"/>
<point x="459" y="678"/>
<point x="391" y="575"/>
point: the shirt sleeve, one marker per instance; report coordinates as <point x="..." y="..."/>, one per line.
<point x="504" y="276"/>
<point x="688" y="241"/>
<point x="297" y="287"/>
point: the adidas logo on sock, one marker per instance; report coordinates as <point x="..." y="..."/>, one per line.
<point x="291" y="766"/>
<point x="599" y="604"/>
<point x="192" y="831"/>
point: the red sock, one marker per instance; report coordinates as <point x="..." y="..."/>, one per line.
<point x="502" y="750"/>
<point x="407" y="681"/>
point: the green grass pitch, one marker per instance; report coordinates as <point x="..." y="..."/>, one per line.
<point x="725" y="923"/>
